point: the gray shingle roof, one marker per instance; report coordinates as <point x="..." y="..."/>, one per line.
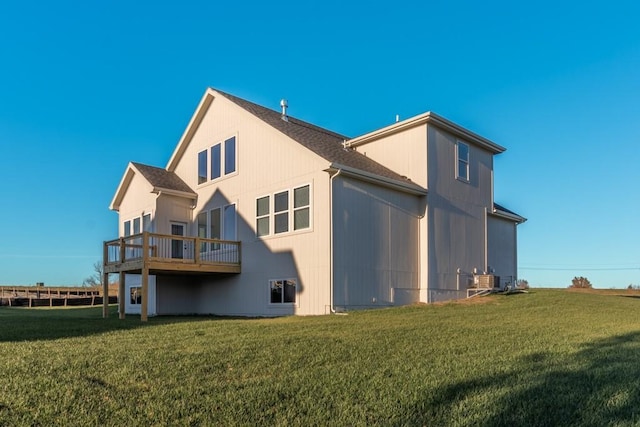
<point x="161" y="178"/>
<point x="323" y="142"/>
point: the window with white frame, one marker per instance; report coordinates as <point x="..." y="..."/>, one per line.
<point x="218" y="223"/>
<point x="284" y="211"/>
<point x="137" y="225"/>
<point x="263" y="219"/>
<point x="282" y="291"/>
<point x="218" y="160"/>
<point x="462" y="165"/>
<point x="136" y="295"/>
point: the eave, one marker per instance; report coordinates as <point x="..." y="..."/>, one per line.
<point x="428" y="118"/>
<point x="405" y="187"/>
<point x="508" y="215"/>
<point x="191" y="129"/>
<point x="131" y="171"/>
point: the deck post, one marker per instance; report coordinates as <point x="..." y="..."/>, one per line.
<point x="105" y="294"/>
<point x="121" y="296"/>
<point x="122" y="250"/>
<point x="144" y="308"/>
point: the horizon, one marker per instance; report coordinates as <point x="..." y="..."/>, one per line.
<point x="89" y="88"/>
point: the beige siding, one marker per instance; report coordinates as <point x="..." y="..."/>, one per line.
<point x="404" y="153"/>
<point x="268" y="162"/>
<point x="137" y="201"/>
<point x="502" y="249"/>
<point x="376" y="245"/>
<point x="456" y="214"/>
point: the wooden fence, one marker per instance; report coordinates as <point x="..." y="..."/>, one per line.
<point x="52" y="296"/>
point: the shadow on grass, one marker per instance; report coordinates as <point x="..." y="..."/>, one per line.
<point x="36" y="324"/>
<point x="596" y="386"/>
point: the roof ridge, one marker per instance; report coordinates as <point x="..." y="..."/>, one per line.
<point x="297" y="121"/>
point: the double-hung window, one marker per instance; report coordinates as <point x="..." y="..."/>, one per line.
<point x="218" y="160"/>
<point x="462" y="165"/>
<point x="263" y="219"/>
<point x="284" y="211"/>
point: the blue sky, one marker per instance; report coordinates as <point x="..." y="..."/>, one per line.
<point x="87" y="87"/>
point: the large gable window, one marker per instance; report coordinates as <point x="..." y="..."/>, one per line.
<point x="219" y="160"/>
<point x="462" y="165"/>
<point x="202" y="167"/>
<point x="284" y="211"/>
<point x="230" y="156"/>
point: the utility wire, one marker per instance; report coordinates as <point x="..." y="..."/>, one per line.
<point x="579" y="268"/>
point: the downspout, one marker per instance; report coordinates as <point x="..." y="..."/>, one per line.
<point x="331" y="268"/>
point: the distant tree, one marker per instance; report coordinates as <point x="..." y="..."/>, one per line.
<point x="580" y="283"/>
<point x="522" y="284"/>
<point x="96" y="278"/>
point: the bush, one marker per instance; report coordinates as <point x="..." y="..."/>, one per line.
<point x="580" y="283"/>
<point x="522" y="284"/>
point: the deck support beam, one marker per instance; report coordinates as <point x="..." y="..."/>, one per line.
<point x="105" y="295"/>
<point x="121" y="296"/>
<point x="144" y="308"/>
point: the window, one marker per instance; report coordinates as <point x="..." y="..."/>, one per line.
<point x="229" y="222"/>
<point x="281" y="212"/>
<point x="202" y="167"/>
<point x="146" y="222"/>
<point x="282" y="291"/>
<point x="301" y="208"/>
<point x="262" y="216"/>
<point x="462" y="167"/>
<point x="136" y="295"/>
<point x="202" y="229"/>
<point x="291" y="210"/>
<point x="218" y="223"/>
<point x="136" y="225"/>
<point x="230" y="155"/>
<point x="220" y="158"/>
<point x="216" y="158"/>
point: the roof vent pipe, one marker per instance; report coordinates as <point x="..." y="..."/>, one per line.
<point x="397" y="118"/>
<point x="284" y="105"/>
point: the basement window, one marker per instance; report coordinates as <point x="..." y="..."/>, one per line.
<point x="136" y="295"/>
<point x="282" y="291"/>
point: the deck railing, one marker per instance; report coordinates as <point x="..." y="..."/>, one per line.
<point x="169" y="248"/>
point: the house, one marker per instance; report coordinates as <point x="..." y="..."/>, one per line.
<point x="260" y="214"/>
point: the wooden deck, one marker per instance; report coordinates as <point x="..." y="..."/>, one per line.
<point x="151" y="253"/>
<point x="161" y="253"/>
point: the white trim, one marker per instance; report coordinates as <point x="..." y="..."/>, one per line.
<point x="290" y="212"/>
<point x="429" y="118"/>
<point x="191" y="129"/>
<point x="505" y="215"/>
<point x="223" y="164"/>
<point x="415" y="189"/>
<point x="467" y="162"/>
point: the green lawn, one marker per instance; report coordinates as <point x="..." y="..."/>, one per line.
<point x="550" y="357"/>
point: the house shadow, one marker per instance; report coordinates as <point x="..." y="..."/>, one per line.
<point x="595" y="386"/>
<point x="247" y="293"/>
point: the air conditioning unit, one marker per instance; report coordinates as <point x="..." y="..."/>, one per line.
<point x="488" y="281"/>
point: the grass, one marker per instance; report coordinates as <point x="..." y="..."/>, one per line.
<point x="550" y="357"/>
